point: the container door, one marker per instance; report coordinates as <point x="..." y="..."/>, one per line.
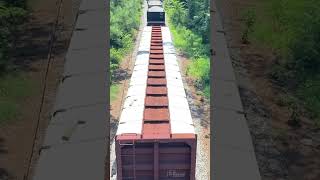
<point x="156" y="161"/>
<point x="174" y="161"/>
<point x="137" y="162"/>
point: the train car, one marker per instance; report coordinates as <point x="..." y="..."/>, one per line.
<point x="156" y="16"/>
<point x="152" y="3"/>
<point x="156" y="137"/>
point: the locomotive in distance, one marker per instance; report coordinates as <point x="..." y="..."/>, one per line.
<point x="155" y="13"/>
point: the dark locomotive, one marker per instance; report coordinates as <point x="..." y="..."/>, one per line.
<point x="155" y="13"/>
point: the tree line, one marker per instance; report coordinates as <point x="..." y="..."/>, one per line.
<point x="189" y="22"/>
<point x="292" y="30"/>
<point x="124" y="23"/>
<point x="13" y="13"/>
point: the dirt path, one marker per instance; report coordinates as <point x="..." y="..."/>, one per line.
<point x="283" y="152"/>
<point x="16" y="138"/>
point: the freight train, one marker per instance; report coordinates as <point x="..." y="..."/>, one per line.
<point x="156" y="138"/>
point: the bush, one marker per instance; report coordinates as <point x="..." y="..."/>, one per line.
<point x="125" y="21"/>
<point x="309" y="91"/>
<point x="249" y="19"/>
<point x="292" y="30"/>
<point x="189" y="24"/>
<point x="200" y="69"/>
<point x="11" y="19"/>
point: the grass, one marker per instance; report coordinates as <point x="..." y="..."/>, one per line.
<point x="14" y="88"/>
<point x="191" y="40"/>
<point x="191" y="45"/>
<point x="114" y="92"/>
<point x="124" y="24"/>
<point x="291" y="29"/>
<point x="310" y="93"/>
<point x="200" y="70"/>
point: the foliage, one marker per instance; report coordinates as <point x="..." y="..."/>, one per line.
<point x="14" y="88"/>
<point x="192" y="14"/>
<point x="292" y="30"/>
<point x="114" y="90"/>
<point x="124" y="23"/>
<point x="190" y="43"/>
<point x="189" y="24"/>
<point x="309" y="91"/>
<point x="177" y="12"/>
<point x="200" y="69"/>
<point x="15" y="3"/>
<point x="249" y="18"/>
<point x="11" y="18"/>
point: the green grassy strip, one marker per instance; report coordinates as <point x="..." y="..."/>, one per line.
<point x="292" y="30"/>
<point x="191" y="44"/>
<point x="125" y="17"/>
<point x="14" y="88"/>
<point x="114" y="91"/>
<point x="124" y="24"/>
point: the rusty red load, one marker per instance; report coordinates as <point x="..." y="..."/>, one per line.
<point x="156" y="44"/>
<point x="156" y="91"/>
<point x="160" y="51"/>
<point x="156" y="48"/>
<point x="156" y="62"/>
<point x="156" y="41"/>
<point x="156" y="74"/>
<point x="156" y="81"/>
<point x="156" y="56"/>
<point x="156" y="38"/>
<point x="156" y="67"/>
<point x="156" y="141"/>
<point x="156" y="114"/>
<point x="154" y="101"/>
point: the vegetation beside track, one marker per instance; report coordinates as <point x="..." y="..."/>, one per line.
<point x="189" y="22"/>
<point x="13" y="87"/>
<point x="125" y="19"/>
<point x="12" y="14"/>
<point x="292" y="30"/>
<point x="114" y="90"/>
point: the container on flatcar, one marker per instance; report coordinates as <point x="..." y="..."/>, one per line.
<point x="156" y="138"/>
<point x="155" y="16"/>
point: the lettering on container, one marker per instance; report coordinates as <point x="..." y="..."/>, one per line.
<point x="175" y="174"/>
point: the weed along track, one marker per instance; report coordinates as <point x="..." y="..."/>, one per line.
<point x="156" y="138"/>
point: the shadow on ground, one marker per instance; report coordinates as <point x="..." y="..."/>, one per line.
<point x="120" y="75"/>
<point x="2" y="147"/>
<point x="198" y="110"/>
<point x="4" y="175"/>
<point x="33" y="45"/>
